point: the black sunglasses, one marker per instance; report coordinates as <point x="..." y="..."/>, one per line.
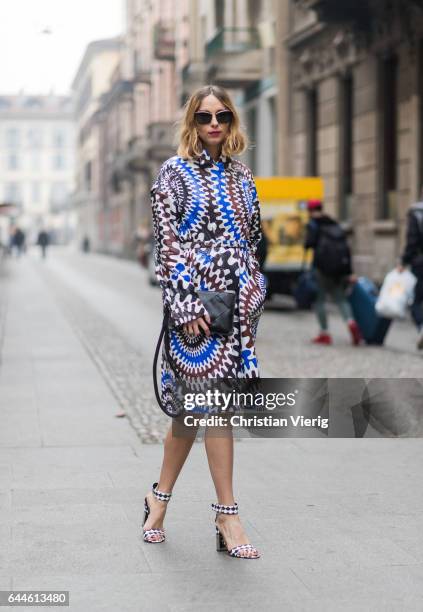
<point x="204" y="117"/>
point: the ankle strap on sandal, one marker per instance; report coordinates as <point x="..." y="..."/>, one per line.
<point x="222" y="509"/>
<point x="159" y="494"/>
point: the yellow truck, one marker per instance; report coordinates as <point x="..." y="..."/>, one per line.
<point x="283" y="203"/>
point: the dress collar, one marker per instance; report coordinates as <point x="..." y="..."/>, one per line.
<point x="205" y="160"/>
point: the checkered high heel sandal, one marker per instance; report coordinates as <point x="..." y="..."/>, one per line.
<point x="154" y="536"/>
<point x="236" y="551"/>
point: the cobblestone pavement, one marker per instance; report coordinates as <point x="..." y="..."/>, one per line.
<point x="284" y="343"/>
<point x="123" y="367"/>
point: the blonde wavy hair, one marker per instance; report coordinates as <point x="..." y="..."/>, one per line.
<point x="187" y="140"/>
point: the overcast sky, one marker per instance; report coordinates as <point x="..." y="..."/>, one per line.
<point x="39" y="62"/>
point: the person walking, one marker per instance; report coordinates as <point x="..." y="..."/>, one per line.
<point x="43" y="241"/>
<point x="206" y="222"/>
<point x="332" y="266"/>
<point x="413" y="256"/>
<point x="86" y="244"/>
<point x="19" y="241"/>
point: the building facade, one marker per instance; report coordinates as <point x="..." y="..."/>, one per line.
<point x="126" y="109"/>
<point x="150" y="62"/>
<point x="233" y="44"/>
<point x="168" y="51"/>
<point x="37" y="161"/>
<point x="356" y="115"/>
<point x="93" y="79"/>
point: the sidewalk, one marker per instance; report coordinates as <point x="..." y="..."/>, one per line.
<point x="338" y="522"/>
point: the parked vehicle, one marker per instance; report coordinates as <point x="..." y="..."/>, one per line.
<point x="283" y="202"/>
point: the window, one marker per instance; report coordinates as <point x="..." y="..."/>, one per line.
<point x="88" y="175"/>
<point x="13" y="193"/>
<point x="33" y="103"/>
<point x="346" y="146"/>
<point x="219" y="11"/>
<point x="254" y="12"/>
<point x="13" y="162"/>
<point x="59" y="139"/>
<point x="388" y="107"/>
<point x="35" y="161"/>
<point x="311" y="134"/>
<point x="183" y="98"/>
<point x="35" y="192"/>
<point x="58" y="162"/>
<point x="34" y="138"/>
<point x="58" y="193"/>
<point x="12" y="137"/>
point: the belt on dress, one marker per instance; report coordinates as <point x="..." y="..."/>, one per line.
<point x="242" y="244"/>
<point x="237" y="244"/>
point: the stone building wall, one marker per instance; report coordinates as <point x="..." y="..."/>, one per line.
<point x="328" y="140"/>
<point x="322" y="56"/>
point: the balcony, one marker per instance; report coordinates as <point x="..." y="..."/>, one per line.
<point x="141" y="74"/>
<point x="233" y="40"/>
<point x="334" y="11"/>
<point x="157" y="145"/>
<point x="119" y="90"/>
<point x="194" y="75"/>
<point x="234" y="57"/>
<point x="164" y="40"/>
<point x="161" y="140"/>
<point x="136" y="157"/>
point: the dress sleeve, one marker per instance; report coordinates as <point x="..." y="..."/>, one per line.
<point x="255" y="223"/>
<point x="171" y="266"/>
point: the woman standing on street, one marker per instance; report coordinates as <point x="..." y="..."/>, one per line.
<point x="206" y="220"/>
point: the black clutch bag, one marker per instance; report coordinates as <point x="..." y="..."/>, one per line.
<point x="221" y="306"/>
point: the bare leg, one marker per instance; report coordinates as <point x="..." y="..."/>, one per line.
<point x="220" y="454"/>
<point x="176" y="450"/>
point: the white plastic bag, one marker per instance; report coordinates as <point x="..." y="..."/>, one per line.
<point x="396" y="293"/>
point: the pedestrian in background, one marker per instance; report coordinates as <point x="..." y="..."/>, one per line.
<point x="19" y="241"/>
<point x="332" y="267"/>
<point x="43" y="241"/>
<point x="413" y="257"/>
<point x="86" y="244"/>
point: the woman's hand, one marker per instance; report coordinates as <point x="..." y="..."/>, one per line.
<point x="193" y="327"/>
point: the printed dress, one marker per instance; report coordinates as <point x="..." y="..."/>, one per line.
<point x="206" y="220"/>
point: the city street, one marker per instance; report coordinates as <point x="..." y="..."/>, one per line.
<point x="338" y="521"/>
